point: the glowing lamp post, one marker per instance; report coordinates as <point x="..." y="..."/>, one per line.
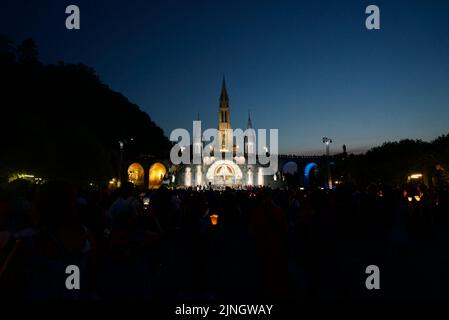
<point x="121" y="144"/>
<point x="327" y="142"/>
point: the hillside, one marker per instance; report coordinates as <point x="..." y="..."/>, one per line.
<point x="61" y="121"/>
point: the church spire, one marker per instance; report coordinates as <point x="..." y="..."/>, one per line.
<point x="250" y="123"/>
<point x="224" y="120"/>
<point x="224" y="99"/>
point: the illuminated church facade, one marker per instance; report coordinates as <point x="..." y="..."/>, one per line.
<point x="224" y="165"/>
<point x="232" y="168"/>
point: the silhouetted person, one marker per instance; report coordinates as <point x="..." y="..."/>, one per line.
<point x="38" y="264"/>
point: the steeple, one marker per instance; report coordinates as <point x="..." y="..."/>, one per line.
<point x="224" y="120"/>
<point x="250" y="124"/>
<point x="250" y="139"/>
<point x="224" y="99"/>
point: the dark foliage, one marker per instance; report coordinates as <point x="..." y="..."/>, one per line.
<point x="392" y="162"/>
<point x="60" y="121"/>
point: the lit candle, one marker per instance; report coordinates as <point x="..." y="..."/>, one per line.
<point x="214" y="219"/>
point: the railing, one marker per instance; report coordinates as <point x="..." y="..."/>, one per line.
<point x="294" y="156"/>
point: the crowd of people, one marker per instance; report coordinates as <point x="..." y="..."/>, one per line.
<point x="185" y="244"/>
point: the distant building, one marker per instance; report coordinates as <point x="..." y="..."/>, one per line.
<point x="215" y="171"/>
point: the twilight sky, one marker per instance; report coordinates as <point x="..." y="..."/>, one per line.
<point x="309" y="68"/>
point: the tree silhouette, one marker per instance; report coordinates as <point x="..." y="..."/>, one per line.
<point x="27" y="51"/>
<point x="7" y="50"/>
<point x="60" y="121"/>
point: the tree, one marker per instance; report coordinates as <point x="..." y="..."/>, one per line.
<point x="61" y="121"/>
<point x="27" y="52"/>
<point x="440" y="151"/>
<point x="7" y="50"/>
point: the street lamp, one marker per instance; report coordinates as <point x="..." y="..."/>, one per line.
<point x="327" y="142"/>
<point x="121" y="144"/>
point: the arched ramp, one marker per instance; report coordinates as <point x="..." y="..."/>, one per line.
<point x="136" y="174"/>
<point x="156" y="175"/>
<point x="290" y="167"/>
<point x="307" y="170"/>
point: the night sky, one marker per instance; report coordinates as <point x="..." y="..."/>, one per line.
<point x="309" y="68"/>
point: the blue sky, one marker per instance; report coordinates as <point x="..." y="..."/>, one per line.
<point x="308" y="68"/>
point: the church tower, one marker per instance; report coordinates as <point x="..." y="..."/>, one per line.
<point x="224" y="121"/>
<point x="250" y="139"/>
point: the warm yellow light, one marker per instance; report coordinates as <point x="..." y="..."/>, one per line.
<point x="25" y="176"/>
<point x="416" y="176"/>
<point x="156" y="176"/>
<point x="136" y="174"/>
<point x="417" y="198"/>
<point x="410" y="199"/>
<point x="214" y="219"/>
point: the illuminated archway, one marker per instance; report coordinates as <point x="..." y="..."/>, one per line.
<point x="136" y="174"/>
<point x="309" y="167"/>
<point x="224" y="172"/>
<point x="156" y="175"/>
<point x="290" y="167"/>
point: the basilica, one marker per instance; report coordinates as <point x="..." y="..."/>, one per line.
<point x="228" y="168"/>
